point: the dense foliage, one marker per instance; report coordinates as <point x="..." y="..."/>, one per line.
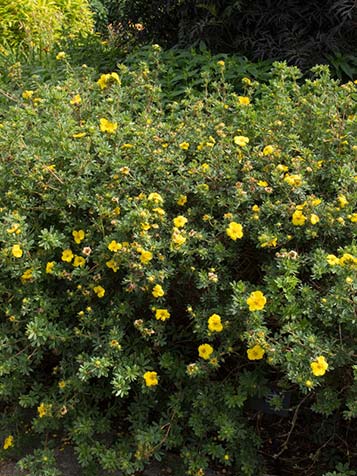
<point x="168" y="267"/>
<point x="303" y="33"/>
<point x="39" y="23"/>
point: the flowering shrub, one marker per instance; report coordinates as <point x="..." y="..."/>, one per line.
<point x="162" y="267"/>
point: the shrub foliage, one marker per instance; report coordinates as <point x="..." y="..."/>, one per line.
<point x="164" y="268"/>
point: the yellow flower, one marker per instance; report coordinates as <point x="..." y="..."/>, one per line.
<point x="159" y="211"/>
<point x="243" y="100"/>
<point x="27" y="274"/>
<point x="177" y="238"/>
<point x="256" y="301"/>
<point x="162" y="314"/>
<point x="234" y="230"/>
<point x="151" y="379"/>
<point x="255" y="353"/>
<point x="61" y="55"/>
<point x="17" y="251"/>
<point x="61" y="384"/>
<point x="180" y="221"/>
<point x="145" y="226"/>
<point x="79" y="135"/>
<point x="214" y="323"/>
<point x="241" y="140"/>
<point x="102" y="81"/>
<point x="42" y="410"/>
<point x="124" y="170"/>
<point x="353" y="217"/>
<point x="347" y="258"/>
<point x="342" y="200"/>
<point x="146" y="256"/>
<point x="8" y="442"/>
<point x="181" y="200"/>
<point x="78" y="236"/>
<point x="112" y="265"/>
<point x="309" y="383"/>
<point x="107" y="126"/>
<point x="99" y="290"/>
<point x="293" y="180"/>
<point x="184" y="145"/>
<point x="221" y="63"/>
<point x="268" y="150"/>
<point x="246" y="81"/>
<point x="79" y="261"/>
<point x="158" y="291"/>
<point x="115" y="344"/>
<point x="107" y="80"/>
<point x="15" y="228"/>
<point x="332" y="260"/>
<point x="314" y="219"/>
<point x="319" y="366"/>
<point x="117" y="211"/>
<point x="282" y="168"/>
<point x="114" y="246"/>
<point x="49" y="266"/>
<point x="298" y="218"/>
<point x="205" y="351"/>
<point x="27" y="94"/>
<point x="76" y="100"/>
<point x="268" y="241"/>
<point x="67" y="255"/>
<point x="156" y="198"/>
<point x="262" y="183"/>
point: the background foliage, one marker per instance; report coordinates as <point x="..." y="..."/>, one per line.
<point x="37" y="23"/>
<point x="302" y="33"/>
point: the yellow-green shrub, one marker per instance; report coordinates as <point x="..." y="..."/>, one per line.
<point x="40" y="23"/>
<point x="127" y="228"/>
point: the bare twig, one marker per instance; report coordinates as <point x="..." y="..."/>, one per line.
<point x="8" y="96"/>
<point x="49" y="169"/>
<point x="293" y="423"/>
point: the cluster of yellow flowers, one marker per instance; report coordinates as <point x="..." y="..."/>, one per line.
<point x="157" y="291"/>
<point x="107" y="126"/>
<point x="8" y="442"/>
<point x="106" y="80"/>
<point x="346" y="259"/>
<point x="299" y="219"/>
